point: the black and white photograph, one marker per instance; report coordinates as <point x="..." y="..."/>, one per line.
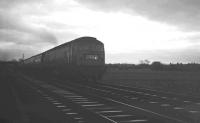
<point x="99" y="61"/>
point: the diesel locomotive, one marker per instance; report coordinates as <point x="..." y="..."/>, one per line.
<point x="82" y="58"/>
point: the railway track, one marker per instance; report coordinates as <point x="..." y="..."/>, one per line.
<point x="154" y="93"/>
<point x="118" y="104"/>
<point x="89" y="109"/>
<point x="176" y="107"/>
<point x="173" y="106"/>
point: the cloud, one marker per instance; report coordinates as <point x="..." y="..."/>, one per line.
<point x="13" y="25"/>
<point x="182" y="13"/>
<point x="33" y="26"/>
<point x="17" y="30"/>
<point x="10" y="3"/>
<point x="187" y="55"/>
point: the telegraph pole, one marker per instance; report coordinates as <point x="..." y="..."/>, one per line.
<point x="23" y="56"/>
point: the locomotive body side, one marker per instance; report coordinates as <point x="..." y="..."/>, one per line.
<point x="59" y="55"/>
<point x="80" y="59"/>
<point x="82" y="51"/>
<point x="34" y="59"/>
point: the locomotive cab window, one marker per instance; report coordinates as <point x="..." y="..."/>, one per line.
<point x="91" y="57"/>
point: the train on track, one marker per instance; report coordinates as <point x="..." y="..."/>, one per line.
<point x="80" y="58"/>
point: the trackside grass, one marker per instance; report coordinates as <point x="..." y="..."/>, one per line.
<point x="187" y="83"/>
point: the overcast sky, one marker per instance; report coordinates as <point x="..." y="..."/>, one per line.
<point x="131" y="30"/>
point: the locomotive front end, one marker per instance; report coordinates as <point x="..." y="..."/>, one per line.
<point x="90" y="58"/>
<point x="90" y="52"/>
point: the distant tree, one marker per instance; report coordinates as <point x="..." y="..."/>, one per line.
<point x="144" y="64"/>
<point x="146" y="61"/>
<point x="157" y="65"/>
<point x="20" y="60"/>
<point x="13" y="60"/>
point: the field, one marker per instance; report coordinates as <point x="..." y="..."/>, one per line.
<point x="186" y="83"/>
